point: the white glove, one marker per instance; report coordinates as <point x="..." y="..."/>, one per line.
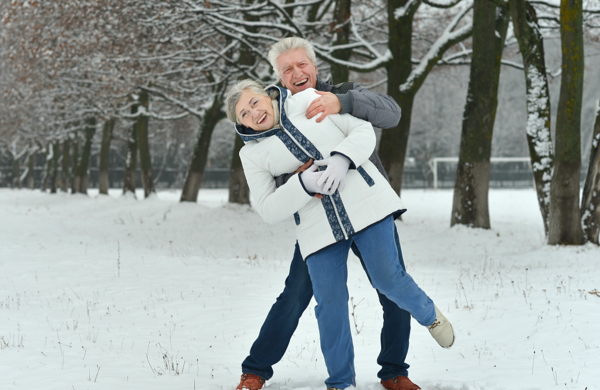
<point x="334" y="177"/>
<point x="309" y="179"/>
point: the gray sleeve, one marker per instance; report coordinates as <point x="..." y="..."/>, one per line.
<point x="379" y="109"/>
<point x="282" y="179"/>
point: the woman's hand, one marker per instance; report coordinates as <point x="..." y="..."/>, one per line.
<point x="309" y="178"/>
<point x="334" y="177"/>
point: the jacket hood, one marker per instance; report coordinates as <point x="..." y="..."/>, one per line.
<point x="247" y="134"/>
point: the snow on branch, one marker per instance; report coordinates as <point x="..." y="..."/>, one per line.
<point x="230" y="22"/>
<point x="557" y="6"/>
<point x="143" y="112"/>
<point x="177" y="102"/>
<point x="406" y="8"/>
<point x="440" y="4"/>
<point x="379" y="60"/>
<point x="512" y="64"/>
<point x="456" y="56"/>
<point x="296" y="4"/>
<point x="448" y="39"/>
<point x="287" y="17"/>
<point x="242" y="40"/>
<point x="246" y="33"/>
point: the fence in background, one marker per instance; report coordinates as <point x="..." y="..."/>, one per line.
<point x="440" y="172"/>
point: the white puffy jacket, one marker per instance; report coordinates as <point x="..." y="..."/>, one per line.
<point x="367" y="197"/>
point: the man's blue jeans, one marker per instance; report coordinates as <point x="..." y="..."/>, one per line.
<point x="282" y="321"/>
<point x="329" y="273"/>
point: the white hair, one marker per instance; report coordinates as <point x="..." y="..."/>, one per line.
<point x="235" y="93"/>
<point x="289" y="44"/>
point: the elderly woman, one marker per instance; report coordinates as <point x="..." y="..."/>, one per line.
<point x="358" y="206"/>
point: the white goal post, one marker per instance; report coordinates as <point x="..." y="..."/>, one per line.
<point x="434" y="161"/>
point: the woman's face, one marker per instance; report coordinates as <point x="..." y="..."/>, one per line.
<point x="255" y="111"/>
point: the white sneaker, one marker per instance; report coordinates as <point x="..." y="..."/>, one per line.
<point x="441" y="330"/>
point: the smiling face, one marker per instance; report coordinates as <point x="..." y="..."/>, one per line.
<point x="296" y="71"/>
<point x="255" y="111"/>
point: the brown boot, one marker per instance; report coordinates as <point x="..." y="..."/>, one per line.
<point x="399" y="383"/>
<point x="251" y="382"/>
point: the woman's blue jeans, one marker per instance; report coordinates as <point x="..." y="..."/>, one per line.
<point x="282" y="320"/>
<point x="329" y="273"/>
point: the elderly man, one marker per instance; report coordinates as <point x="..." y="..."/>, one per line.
<point x="294" y="61"/>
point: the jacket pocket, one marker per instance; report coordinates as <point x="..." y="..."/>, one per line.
<point x="366" y="176"/>
<point x="297" y="218"/>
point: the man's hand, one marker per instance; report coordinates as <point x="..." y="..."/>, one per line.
<point x="327" y="104"/>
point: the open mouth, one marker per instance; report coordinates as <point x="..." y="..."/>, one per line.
<point x="262" y="119"/>
<point x="301" y="82"/>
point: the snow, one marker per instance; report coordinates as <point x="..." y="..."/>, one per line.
<point x="110" y="292"/>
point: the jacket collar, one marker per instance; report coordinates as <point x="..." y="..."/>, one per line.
<point x="324" y="85"/>
<point x="247" y="134"/>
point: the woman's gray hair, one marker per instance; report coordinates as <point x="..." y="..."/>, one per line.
<point x="235" y="93"/>
<point x="289" y="44"/>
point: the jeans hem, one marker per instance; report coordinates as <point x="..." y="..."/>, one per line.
<point x="261" y="374"/>
<point x="392" y="376"/>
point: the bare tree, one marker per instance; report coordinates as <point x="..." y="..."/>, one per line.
<point x="107" y="134"/>
<point x="590" y="202"/>
<point x="531" y="45"/>
<point x="565" y="219"/>
<point x="470" y="203"/>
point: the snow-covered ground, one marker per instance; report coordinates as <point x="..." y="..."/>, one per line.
<point x="110" y="292"/>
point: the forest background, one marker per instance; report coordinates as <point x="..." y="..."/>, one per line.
<point x="138" y="86"/>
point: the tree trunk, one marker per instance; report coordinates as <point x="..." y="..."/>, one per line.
<point x="53" y="173"/>
<point x="75" y="163"/>
<point x="590" y="202"/>
<point x="81" y="169"/>
<point x="342" y="12"/>
<point x="200" y="156"/>
<point x="64" y="170"/>
<point x="29" y="178"/>
<point x="539" y="137"/>
<point x="16" y="171"/>
<point x="145" y="159"/>
<point x="130" y="160"/>
<point x="238" y="186"/>
<point x="47" y="168"/>
<point x="470" y="204"/>
<point x="109" y="125"/>
<point x="394" y="141"/>
<point x="565" y="218"/>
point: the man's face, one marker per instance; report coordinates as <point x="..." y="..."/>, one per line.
<point x="296" y="71"/>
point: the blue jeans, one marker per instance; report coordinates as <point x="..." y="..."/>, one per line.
<point x="328" y="271"/>
<point x="282" y="321"/>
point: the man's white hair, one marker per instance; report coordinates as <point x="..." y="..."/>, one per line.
<point x="289" y="44"/>
<point x="235" y="93"/>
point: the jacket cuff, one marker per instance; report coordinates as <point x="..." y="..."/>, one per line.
<point x="303" y="187"/>
<point x="347" y="102"/>
<point x="352" y="165"/>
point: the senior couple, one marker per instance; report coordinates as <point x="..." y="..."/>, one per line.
<point x="309" y="152"/>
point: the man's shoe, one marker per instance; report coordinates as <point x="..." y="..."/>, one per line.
<point x="399" y="383"/>
<point x="441" y="330"/>
<point x="251" y="382"/>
